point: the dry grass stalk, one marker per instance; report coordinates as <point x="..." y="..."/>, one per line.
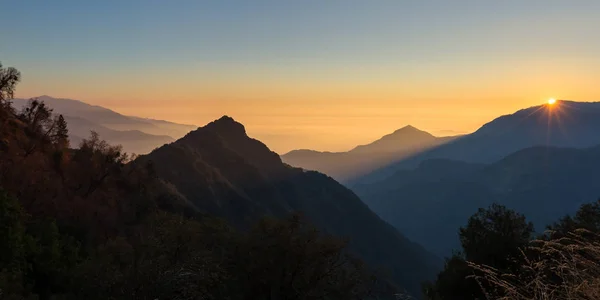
<point x="565" y="268"/>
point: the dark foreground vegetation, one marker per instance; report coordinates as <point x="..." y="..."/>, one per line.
<point x="501" y="258"/>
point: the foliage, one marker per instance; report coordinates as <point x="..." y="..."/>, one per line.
<point x="587" y="217"/>
<point x="563" y="264"/>
<point x="493" y="237"/>
<point x="61" y="134"/>
<point x="9" y="78"/>
<point x="501" y="262"/>
<point x="36" y="258"/>
<point x="292" y="260"/>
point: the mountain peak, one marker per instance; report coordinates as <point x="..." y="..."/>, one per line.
<point x="408" y="128"/>
<point x="225" y="118"/>
<point x="226" y="126"/>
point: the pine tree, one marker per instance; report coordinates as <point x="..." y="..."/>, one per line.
<point x="61" y="135"/>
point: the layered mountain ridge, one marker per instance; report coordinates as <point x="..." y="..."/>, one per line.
<point x="136" y="135"/>
<point x="363" y="159"/>
<point x="562" y="124"/>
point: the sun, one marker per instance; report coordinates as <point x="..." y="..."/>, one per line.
<point x="551" y="101"/>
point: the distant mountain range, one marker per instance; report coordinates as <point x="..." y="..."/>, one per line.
<point x="363" y="159"/>
<point x="221" y="171"/>
<point x="563" y="124"/>
<point x="136" y="135"/>
<point x="541" y="161"/>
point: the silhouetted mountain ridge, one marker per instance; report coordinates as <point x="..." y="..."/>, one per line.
<point x="222" y="171"/>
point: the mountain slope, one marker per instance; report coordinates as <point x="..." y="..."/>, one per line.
<point x="362" y="159"/>
<point x="429" y="203"/>
<point x="563" y="124"/>
<point x="137" y="135"/>
<point x="109" y="118"/>
<point x="223" y="172"/>
<point x="132" y="140"/>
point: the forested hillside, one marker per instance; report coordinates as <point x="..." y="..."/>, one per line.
<point x="221" y="171"/>
<point x="94" y="223"/>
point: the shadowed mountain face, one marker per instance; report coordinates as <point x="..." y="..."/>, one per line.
<point x="431" y="202"/>
<point x="221" y="171"/>
<point x="137" y="135"/>
<point x="343" y="166"/>
<point x="563" y="124"/>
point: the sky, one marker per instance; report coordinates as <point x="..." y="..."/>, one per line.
<point x="324" y="75"/>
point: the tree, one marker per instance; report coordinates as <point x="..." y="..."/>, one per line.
<point x="97" y="160"/>
<point x="61" y="132"/>
<point x="587" y="217"/>
<point x="40" y="124"/>
<point x="562" y="264"/>
<point x="495" y="237"/>
<point x="38" y="116"/>
<point x="453" y="282"/>
<point x="9" y="78"/>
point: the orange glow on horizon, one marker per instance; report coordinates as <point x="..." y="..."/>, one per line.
<point x="329" y="108"/>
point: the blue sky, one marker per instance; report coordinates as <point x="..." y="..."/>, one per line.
<point x="112" y="33"/>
